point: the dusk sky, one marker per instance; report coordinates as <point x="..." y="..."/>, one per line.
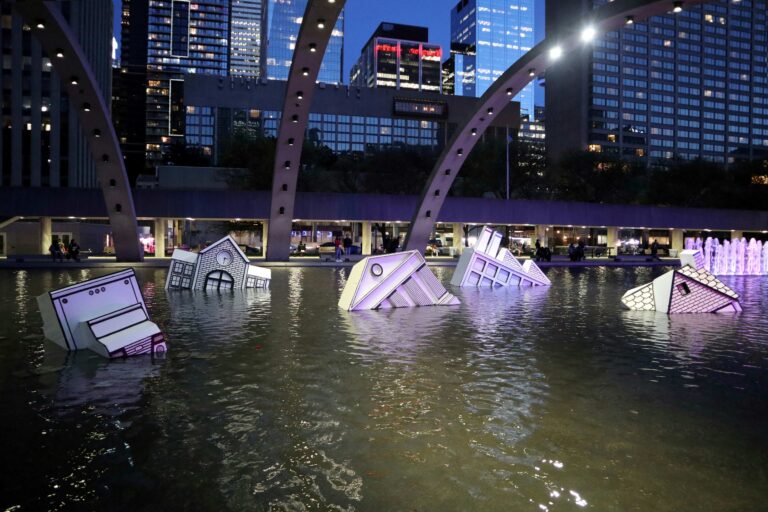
<point x="363" y="16"/>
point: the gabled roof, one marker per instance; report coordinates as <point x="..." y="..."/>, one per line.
<point x="234" y="244"/>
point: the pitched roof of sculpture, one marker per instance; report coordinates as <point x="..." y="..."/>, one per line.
<point x="223" y="240"/>
<point x="707" y="279"/>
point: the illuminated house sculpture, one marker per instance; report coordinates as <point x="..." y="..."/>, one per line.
<point x="486" y="264"/>
<point x="686" y="290"/>
<point x="106" y="315"/>
<point x="397" y="280"/>
<point x="220" y="266"/>
<point x="693" y="258"/>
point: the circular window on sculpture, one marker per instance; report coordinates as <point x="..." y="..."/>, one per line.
<point x="376" y="269"/>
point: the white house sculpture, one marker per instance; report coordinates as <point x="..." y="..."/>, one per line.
<point x="687" y="290"/>
<point x="220" y="266"/>
<point x="106" y="315"/>
<point x="486" y="264"/>
<point x="397" y="280"/>
<point x="693" y="258"/>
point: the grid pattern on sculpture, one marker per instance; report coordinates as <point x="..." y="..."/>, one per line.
<point x="690" y="296"/>
<point x="707" y="279"/>
<point x="642" y="300"/>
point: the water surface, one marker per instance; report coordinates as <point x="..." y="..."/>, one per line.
<point x="533" y="399"/>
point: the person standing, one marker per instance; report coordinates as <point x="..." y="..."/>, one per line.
<point x="73" y="250"/>
<point x="347" y="245"/>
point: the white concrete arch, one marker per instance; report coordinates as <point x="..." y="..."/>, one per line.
<point x="611" y="16"/>
<point x="316" y="28"/>
<point x="58" y="41"/>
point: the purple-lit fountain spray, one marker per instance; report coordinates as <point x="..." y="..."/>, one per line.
<point x="734" y="257"/>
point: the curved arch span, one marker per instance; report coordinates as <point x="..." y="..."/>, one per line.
<point x="316" y="28"/>
<point x="611" y="16"/>
<point x="69" y="61"/>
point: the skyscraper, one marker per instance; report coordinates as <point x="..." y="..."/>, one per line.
<point x="283" y="22"/>
<point x="487" y="36"/>
<point x="42" y="143"/>
<point x="248" y="38"/>
<point x="399" y="56"/>
<point x="167" y="40"/>
<point x="687" y="85"/>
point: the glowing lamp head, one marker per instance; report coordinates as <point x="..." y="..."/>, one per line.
<point x="677" y="7"/>
<point x="588" y="34"/>
<point x="555" y="52"/>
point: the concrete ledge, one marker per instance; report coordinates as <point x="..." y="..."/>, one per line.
<point x="105" y="262"/>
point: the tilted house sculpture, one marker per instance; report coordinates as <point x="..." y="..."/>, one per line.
<point x="106" y="315"/>
<point x="486" y="264"/>
<point x="220" y="266"/>
<point x="397" y="280"/>
<point x="686" y="290"/>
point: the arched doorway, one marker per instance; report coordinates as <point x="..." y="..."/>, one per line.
<point x="219" y="280"/>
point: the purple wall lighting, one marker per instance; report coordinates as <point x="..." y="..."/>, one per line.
<point x="486" y="264"/>
<point x="106" y="315"/>
<point x="397" y="280"/>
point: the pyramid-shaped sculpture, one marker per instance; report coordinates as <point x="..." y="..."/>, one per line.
<point x="486" y="264"/>
<point x="397" y="280"/>
<point x="220" y="266"/>
<point x="686" y="290"/>
<point x="106" y="315"/>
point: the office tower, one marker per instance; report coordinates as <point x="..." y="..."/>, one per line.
<point x="686" y="85"/>
<point x="399" y="56"/>
<point x="488" y="36"/>
<point x="283" y="22"/>
<point x="247" y="40"/>
<point x="42" y="143"/>
<point x="166" y="40"/>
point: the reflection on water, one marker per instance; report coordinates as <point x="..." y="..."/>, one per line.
<point x="519" y="399"/>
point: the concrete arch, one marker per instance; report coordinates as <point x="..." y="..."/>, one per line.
<point x="611" y="16"/>
<point x="58" y="41"/>
<point x="317" y="25"/>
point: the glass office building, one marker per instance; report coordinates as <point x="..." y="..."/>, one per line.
<point x="283" y="22"/>
<point x="399" y="57"/>
<point x="247" y="38"/>
<point x="487" y="36"/>
<point x="42" y="143"/>
<point x="181" y="38"/>
<point x="687" y="85"/>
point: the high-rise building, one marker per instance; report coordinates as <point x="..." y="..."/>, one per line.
<point x="283" y="23"/>
<point x="399" y="56"/>
<point x="42" y="143"/>
<point x="248" y="39"/>
<point x="488" y="36"/>
<point x="166" y="40"/>
<point x="687" y="85"/>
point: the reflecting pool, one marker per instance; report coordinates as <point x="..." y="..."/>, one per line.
<point x="535" y="399"/>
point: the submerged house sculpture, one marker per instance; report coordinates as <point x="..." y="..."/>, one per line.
<point x="220" y="266"/>
<point x="106" y="315"/>
<point x="686" y="290"/>
<point x="486" y="264"/>
<point x="397" y="280"/>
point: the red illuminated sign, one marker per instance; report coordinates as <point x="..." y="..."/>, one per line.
<point x="420" y="51"/>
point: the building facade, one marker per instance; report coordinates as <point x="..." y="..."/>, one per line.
<point x="42" y="143"/>
<point x="283" y="23"/>
<point x="679" y="86"/>
<point x="248" y="38"/>
<point x="399" y="57"/>
<point x="488" y="36"/>
<point x="164" y="41"/>
<point x="344" y="119"/>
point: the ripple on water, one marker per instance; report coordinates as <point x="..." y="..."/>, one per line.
<point x="518" y="399"/>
